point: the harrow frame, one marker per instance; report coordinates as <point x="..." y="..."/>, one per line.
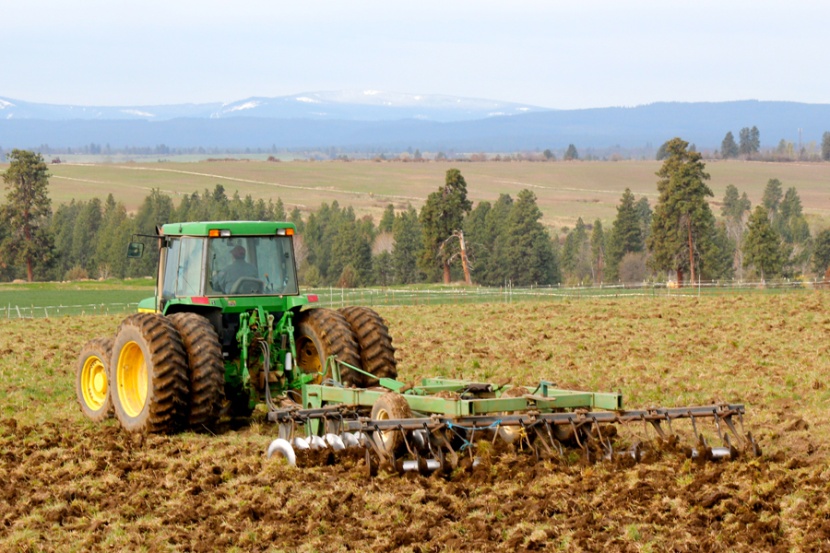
<point x="444" y="425"/>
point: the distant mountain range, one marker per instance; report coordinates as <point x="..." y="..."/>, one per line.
<point x="377" y="121"/>
<point x="367" y="105"/>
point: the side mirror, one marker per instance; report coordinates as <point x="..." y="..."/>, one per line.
<point x="135" y="250"/>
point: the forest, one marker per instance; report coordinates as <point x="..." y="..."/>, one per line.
<point x="680" y="238"/>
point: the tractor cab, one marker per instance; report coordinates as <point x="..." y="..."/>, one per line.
<point x="223" y="262"/>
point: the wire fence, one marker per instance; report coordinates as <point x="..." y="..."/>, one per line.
<point x="340" y="297"/>
<point x="374" y="297"/>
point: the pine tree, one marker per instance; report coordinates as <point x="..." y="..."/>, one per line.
<point x="626" y="233"/>
<point x="825" y="146"/>
<point x="729" y="148"/>
<point x="762" y="247"/>
<point x="683" y="224"/>
<point x="821" y="253"/>
<point x="735" y="211"/>
<point x="528" y="254"/>
<point x="772" y="198"/>
<point x="442" y="214"/>
<point x="27" y="213"/>
<point x="406" y="231"/>
<point x="598" y="256"/>
<point x="576" y="254"/>
<point x="387" y="220"/>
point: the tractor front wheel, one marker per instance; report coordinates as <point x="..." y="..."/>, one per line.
<point x="321" y="333"/>
<point x="91" y="379"/>
<point x="148" y="375"/>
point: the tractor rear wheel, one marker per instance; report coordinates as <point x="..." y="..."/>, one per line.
<point x="377" y="354"/>
<point x="148" y="375"/>
<point x="91" y="379"/>
<point x="390" y="406"/>
<point x="321" y="333"/>
<point x="206" y="371"/>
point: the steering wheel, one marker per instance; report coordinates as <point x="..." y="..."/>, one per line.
<point x="247" y="285"/>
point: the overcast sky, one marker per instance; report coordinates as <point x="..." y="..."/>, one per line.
<point x="574" y="54"/>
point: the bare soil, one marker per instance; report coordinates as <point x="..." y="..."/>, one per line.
<point x="67" y="484"/>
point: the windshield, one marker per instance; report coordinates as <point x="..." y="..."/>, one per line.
<point x="183" y="270"/>
<point x="251" y="265"/>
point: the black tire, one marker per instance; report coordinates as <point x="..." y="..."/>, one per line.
<point x="92" y="379"/>
<point x="148" y="374"/>
<point x="377" y="354"/>
<point x="390" y="406"/>
<point x="321" y="333"/>
<point x="205" y="368"/>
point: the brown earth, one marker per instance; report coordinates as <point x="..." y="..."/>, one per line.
<point x="69" y="485"/>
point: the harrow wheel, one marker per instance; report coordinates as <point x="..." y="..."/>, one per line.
<point x="321" y="333"/>
<point x="148" y="372"/>
<point x="377" y="355"/>
<point x="511" y="434"/>
<point x="91" y="379"/>
<point x="206" y="371"/>
<point x="390" y="406"/>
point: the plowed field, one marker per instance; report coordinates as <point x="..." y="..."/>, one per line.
<point x="69" y="485"/>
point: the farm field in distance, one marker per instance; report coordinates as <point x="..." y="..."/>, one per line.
<point x="565" y="190"/>
<point x="69" y="485"/>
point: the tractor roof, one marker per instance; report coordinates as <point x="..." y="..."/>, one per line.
<point x="236" y="228"/>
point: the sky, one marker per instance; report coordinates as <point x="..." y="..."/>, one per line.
<point x="561" y="55"/>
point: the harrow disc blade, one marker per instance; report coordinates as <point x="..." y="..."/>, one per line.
<point x="411" y="465"/>
<point x="350" y="440"/>
<point x="281" y="447"/>
<point x="300" y="443"/>
<point x="335" y="442"/>
<point x="316" y="442"/>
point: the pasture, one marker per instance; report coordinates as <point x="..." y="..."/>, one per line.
<point x="565" y="190"/>
<point x="69" y="485"/>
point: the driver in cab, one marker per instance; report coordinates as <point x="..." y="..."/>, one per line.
<point x="239" y="268"/>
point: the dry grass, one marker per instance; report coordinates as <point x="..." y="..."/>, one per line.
<point x="565" y="191"/>
<point x="69" y="485"/>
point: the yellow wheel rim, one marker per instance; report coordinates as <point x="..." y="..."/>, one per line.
<point x="386" y="437"/>
<point x="308" y="358"/>
<point x="131" y="378"/>
<point x="94" y="383"/>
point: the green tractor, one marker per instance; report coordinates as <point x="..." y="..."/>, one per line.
<point x="227" y="329"/>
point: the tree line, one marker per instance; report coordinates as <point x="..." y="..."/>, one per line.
<point x="449" y="239"/>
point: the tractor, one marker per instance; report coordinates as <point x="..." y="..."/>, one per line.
<point x="227" y="329"/>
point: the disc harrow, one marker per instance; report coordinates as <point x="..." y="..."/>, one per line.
<point x="445" y="420"/>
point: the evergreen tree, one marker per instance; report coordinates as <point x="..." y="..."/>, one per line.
<point x="529" y="256"/>
<point x="387" y="220"/>
<point x="735" y="211"/>
<point x="821" y="253"/>
<point x="408" y="242"/>
<point x="156" y="210"/>
<point x="683" y="224"/>
<point x="495" y="240"/>
<point x="571" y="153"/>
<point x="762" y="247"/>
<point x="442" y="214"/>
<point x="644" y="213"/>
<point x="85" y="236"/>
<point x="598" y="255"/>
<point x="750" y="141"/>
<point x="27" y="213"/>
<point x="576" y="254"/>
<point x="626" y="233"/>
<point x="116" y="229"/>
<point x="825" y="146"/>
<point x="729" y="148"/>
<point x="772" y="198"/>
